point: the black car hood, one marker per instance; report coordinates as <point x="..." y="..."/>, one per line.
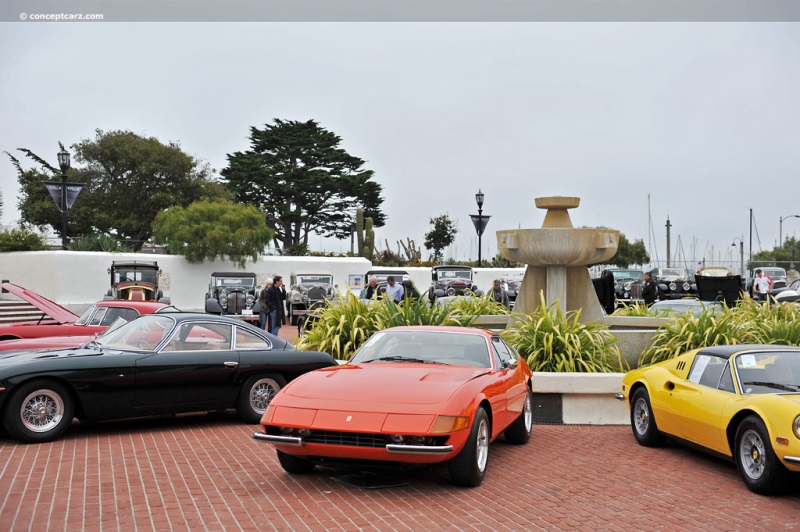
<point x="10" y="358"/>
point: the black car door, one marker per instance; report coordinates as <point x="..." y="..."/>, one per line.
<point x="196" y="368"/>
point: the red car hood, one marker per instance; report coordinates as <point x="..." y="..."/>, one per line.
<point x="384" y="382"/>
<point x="54" y="310"/>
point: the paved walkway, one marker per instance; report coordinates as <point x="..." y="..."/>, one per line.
<point x="205" y="472"/>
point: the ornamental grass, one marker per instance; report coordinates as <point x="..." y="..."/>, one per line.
<point x="551" y="340"/>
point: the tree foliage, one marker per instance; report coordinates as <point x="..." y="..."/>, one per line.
<point x="789" y="252"/>
<point x="21" y="239"/>
<point x="209" y="229"/>
<point x="629" y="253"/>
<point x="300" y="178"/>
<point x="442" y="234"/>
<point x="128" y="179"/>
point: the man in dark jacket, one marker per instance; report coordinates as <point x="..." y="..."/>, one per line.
<point x="275" y="297"/>
<point x="649" y="290"/>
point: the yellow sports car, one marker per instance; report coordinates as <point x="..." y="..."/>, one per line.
<point x="741" y="402"/>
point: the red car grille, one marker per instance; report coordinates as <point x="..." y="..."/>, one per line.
<point x="349" y="439"/>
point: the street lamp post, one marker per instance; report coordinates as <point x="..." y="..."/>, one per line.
<point x="780" y="228"/>
<point x="63" y="162"/>
<point x="479" y="221"/>
<point x="741" y="254"/>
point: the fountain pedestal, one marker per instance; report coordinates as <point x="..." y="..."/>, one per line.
<point x="558" y="256"/>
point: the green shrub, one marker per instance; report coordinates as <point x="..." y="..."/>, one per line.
<point x="477" y="306"/>
<point x="687" y="331"/>
<point x="746" y="323"/>
<point x="98" y="242"/>
<point x="21" y="239"/>
<point x="637" y="309"/>
<point x="550" y="340"/>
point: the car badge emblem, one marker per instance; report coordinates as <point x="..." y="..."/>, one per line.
<point x="349" y="419"/>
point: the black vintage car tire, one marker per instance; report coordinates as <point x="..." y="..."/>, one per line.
<point x="469" y="466"/>
<point x="519" y="432"/>
<point x="295" y="464"/>
<point x="758" y="465"/>
<point x="255" y="395"/>
<point x="643" y="422"/>
<point x="53" y="402"/>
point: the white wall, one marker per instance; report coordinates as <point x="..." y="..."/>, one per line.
<point x="76" y="279"/>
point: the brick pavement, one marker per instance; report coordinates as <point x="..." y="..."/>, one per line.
<point x="205" y="472"/>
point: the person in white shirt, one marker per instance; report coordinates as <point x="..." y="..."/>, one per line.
<point x="394" y="291"/>
<point x="762" y="286"/>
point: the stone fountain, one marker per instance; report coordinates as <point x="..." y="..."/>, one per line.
<point x="558" y="256"/>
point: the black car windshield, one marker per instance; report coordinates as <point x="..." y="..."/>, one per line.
<point x="231" y="282"/>
<point x="629" y="274"/>
<point x="135" y="275"/>
<point x="457" y="274"/>
<point x="453" y="348"/>
<point x="141" y="334"/>
<point x="762" y="372"/>
<point x="673" y="272"/>
<point x="308" y="279"/>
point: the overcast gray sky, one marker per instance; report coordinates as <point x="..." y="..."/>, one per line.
<point x="704" y="117"/>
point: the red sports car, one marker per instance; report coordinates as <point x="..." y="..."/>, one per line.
<point x="410" y="395"/>
<point x="55" y="320"/>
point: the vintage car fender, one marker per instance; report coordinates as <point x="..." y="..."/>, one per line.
<point x="213" y="306"/>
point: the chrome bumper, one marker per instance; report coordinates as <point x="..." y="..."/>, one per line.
<point x="792" y="459"/>
<point x="620" y="396"/>
<point x="294" y="441"/>
<point x="393" y="448"/>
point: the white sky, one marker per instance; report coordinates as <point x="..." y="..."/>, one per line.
<point x="704" y="117"/>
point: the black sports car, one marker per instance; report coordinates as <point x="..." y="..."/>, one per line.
<point x="156" y="364"/>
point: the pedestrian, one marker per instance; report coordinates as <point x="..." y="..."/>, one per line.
<point x="263" y="311"/>
<point x="275" y="297"/>
<point x="409" y="291"/>
<point x="649" y="289"/>
<point x="393" y="290"/>
<point x="500" y="295"/>
<point x="762" y="286"/>
<point x="371" y="289"/>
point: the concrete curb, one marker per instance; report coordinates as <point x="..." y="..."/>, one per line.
<point x="579" y="399"/>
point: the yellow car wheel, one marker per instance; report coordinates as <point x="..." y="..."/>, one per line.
<point x="761" y="470"/>
<point x="643" y="423"/>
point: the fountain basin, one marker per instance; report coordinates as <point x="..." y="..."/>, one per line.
<point x="558" y="246"/>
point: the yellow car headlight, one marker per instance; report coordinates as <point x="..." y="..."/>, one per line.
<point x="796" y="426"/>
<point x="446" y="424"/>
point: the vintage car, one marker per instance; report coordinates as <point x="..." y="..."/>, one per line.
<point x="673" y="283"/>
<point x="154" y="365"/>
<point x="382" y="277"/>
<point x="787" y="294"/>
<point x="233" y="294"/>
<point x="307" y="292"/>
<point x="628" y="285"/>
<point x="453" y="280"/>
<point x="135" y="281"/>
<point x="55" y="320"/>
<point x="425" y="395"/>
<point x="740" y="402"/>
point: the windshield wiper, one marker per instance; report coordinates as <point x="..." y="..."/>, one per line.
<point x="784" y="387"/>
<point x="400" y="358"/>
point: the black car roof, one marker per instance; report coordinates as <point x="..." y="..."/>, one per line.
<point x="233" y="274"/>
<point x="132" y="263"/>
<point x="727" y="351"/>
